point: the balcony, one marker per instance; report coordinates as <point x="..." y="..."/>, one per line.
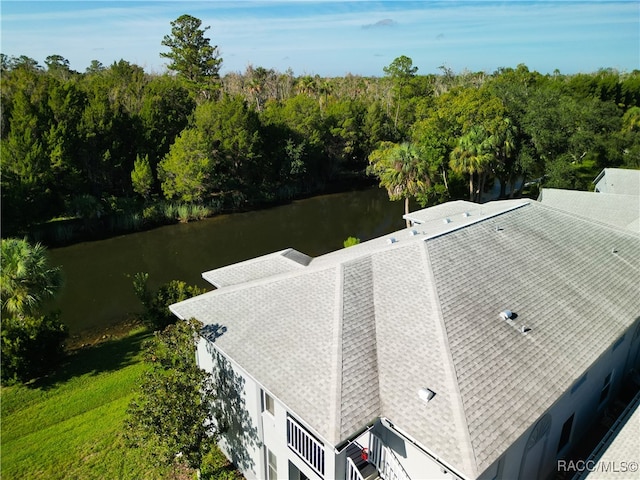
<point x="380" y="462"/>
<point x="306" y="446"/>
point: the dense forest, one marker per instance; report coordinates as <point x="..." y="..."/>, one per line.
<point x="115" y="142"/>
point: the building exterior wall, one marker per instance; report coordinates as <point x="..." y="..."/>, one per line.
<point x="253" y="430"/>
<point x="242" y="441"/>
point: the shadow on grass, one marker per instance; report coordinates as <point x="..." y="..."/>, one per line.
<point x="106" y="356"/>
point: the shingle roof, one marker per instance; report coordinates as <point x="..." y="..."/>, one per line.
<point x="261" y="267"/>
<point x="356" y="333"/>
<point x="621" y="181"/>
<point x="617" y="210"/>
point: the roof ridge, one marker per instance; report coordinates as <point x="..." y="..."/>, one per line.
<point x="358" y="342"/>
<point x="335" y="402"/>
<point x="458" y="408"/>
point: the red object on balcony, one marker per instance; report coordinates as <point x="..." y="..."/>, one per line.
<point x="365" y="454"/>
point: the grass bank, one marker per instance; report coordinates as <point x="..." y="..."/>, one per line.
<point x="69" y="425"/>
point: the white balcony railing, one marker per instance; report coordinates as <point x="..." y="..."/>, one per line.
<point x="305" y="445"/>
<point x="385" y="461"/>
<point x="352" y="471"/>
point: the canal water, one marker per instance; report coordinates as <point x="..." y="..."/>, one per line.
<point x="98" y="291"/>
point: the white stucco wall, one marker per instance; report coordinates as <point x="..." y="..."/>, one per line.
<point x="242" y="444"/>
<point x="267" y="430"/>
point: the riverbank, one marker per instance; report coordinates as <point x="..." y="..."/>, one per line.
<point x="121" y="216"/>
<point x="93" y="337"/>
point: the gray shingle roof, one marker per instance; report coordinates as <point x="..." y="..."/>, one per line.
<point x="621" y="181"/>
<point x="617" y="210"/>
<point x="261" y="267"/>
<point x="356" y="333"/>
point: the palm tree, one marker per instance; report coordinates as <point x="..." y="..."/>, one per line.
<point x="402" y="170"/>
<point x="307" y="85"/>
<point x="471" y="155"/>
<point x="26" y="279"/>
<point x="504" y="147"/>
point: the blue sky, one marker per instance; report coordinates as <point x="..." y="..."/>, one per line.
<point x="332" y="38"/>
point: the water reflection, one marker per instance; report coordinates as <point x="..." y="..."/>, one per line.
<point x="98" y="290"/>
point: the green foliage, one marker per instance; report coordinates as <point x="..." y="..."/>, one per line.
<point x="215" y="466"/>
<point x="70" y="141"/>
<point x="404" y="170"/>
<point x="232" y="133"/>
<point x="191" y="54"/>
<point x="172" y="416"/>
<point x="26" y="279"/>
<point x="142" y="177"/>
<point x="31" y="342"/>
<point x="31" y="346"/>
<point x="187" y="168"/>
<point x="351" y="241"/>
<point x="156" y="311"/>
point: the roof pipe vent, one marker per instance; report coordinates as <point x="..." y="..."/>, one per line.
<point x="446" y="220"/>
<point x="506" y="314"/>
<point x="466" y="214"/>
<point x="524" y="329"/>
<point x="426" y="394"/>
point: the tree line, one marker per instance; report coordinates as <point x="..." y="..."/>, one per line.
<point x="116" y="139"/>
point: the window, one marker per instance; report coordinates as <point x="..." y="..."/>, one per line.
<point x="576" y="385"/>
<point x="499" y="469"/>
<point x="565" y="436"/>
<point x="268" y="404"/>
<point x="604" y="393"/>
<point x="272" y="466"/>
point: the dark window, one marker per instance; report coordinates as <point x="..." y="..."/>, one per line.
<point x="604" y="393"/>
<point x="565" y="436"/>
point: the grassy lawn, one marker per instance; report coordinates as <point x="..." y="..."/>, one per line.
<point x="69" y="425"/>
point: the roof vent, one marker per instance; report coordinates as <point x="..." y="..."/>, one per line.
<point x="524" y="329"/>
<point x="426" y="394"/>
<point x="466" y="214"/>
<point x="391" y="240"/>
<point x="498" y="228"/>
<point x="413" y="233"/>
<point x="614" y="250"/>
<point x="446" y="220"/>
<point x="505" y="314"/>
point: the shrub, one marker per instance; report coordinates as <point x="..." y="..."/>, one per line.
<point x="183" y="213"/>
<point x="351" y="241"/>
<point x="156" y="311"/>
<point x="30" y="346"/>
